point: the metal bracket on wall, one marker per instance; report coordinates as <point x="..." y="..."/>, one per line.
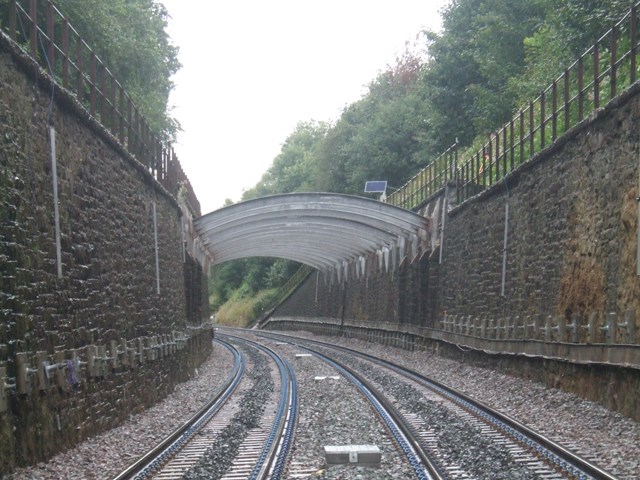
<point x="23" y="373"/>
<point x="5" y="388"/>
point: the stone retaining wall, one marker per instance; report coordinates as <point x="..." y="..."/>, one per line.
<point x="111" y="291"/>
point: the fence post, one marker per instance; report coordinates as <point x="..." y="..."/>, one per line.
<point x="65" y="53"/>
<point x="543" y="120"/>
<point x="521" y="142"/>
<point x="497" y="157"/>
<point x="112" y="113"/>
<point x="12" y="19"/>
<point x="33" y="32"/>
<point x="51" y="51"/>
<point x="532" y="130"/>
<point x="614" y="61"/>
<point x="634" y="49"/>
<point x="596" y="76"/>
<point x="93" y="76"/>
<point x="580" y="88"/>
<point x="80" y="66"/>
<point x="505" y="149"/>
<point x="554" y="110"/>
<point x="512" y="148"/>
<point x="121" y="110"/>
<point x="567" y="106"/>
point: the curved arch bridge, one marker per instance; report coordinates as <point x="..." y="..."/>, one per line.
<point x="324" y="230"/>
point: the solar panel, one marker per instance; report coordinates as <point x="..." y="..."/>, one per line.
<point x="375" y="186"/>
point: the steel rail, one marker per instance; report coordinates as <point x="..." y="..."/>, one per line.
<point x="152" y="460"/>
<point x="274" y="453"/>
<point x="552" y="452"/>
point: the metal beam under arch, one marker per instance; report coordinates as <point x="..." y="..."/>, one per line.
<point x="319" y="229"/>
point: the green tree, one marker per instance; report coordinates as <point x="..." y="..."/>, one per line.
<point x="381" y="136"/>
<point x="569" y="29"/>
<point x="480" y="48"/>
<point x="291" y="171"/>
<point x="130" y="37"/>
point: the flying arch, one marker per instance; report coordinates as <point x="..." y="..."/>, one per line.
<point x="322" y="230"/>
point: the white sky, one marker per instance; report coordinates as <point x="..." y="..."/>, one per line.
<point x="253" y="69"/>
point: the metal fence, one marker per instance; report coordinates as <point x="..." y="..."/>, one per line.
<point x="46" y="35"/>
<point x="281" y="294"/>
<point x="603" y="71"/>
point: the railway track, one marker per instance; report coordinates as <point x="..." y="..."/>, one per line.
<point x="530" y="451"/>
<point x="417" y="412"/>
<point x="407" y="442"/>
<point x="264" y="448"/>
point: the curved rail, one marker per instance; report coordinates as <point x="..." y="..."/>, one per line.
<point x="276" y="449"/>
<point x="148" y="463"/>
<point x="551" y="451"/>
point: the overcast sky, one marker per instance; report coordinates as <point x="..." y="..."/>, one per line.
<point x="253" y="69"/>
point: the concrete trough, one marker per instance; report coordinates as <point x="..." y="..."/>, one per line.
<point x="364" y="455"/>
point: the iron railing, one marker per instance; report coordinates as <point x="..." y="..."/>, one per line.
<point x="599" y="75"/>
<point x="46" y="35"/>
<point x="285" y="290"/>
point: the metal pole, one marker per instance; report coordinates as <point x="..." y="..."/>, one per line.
<point x="56" y="213"/>
<point x="317" y="275"/>
<point x="444" y="211"/>
<point x="155" y="239"/>
<point x="504" y="249"/>
<point x="638" y="226"/>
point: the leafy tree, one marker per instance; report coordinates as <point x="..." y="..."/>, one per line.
<point x="378" y="137"/>
<point x="130" y="37"/>
<point x="569" y="29"/>
<point x="480" y="48"/>
<point x="291" y="170"/>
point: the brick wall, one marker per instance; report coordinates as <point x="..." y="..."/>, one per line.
<point x="108" y="291"/>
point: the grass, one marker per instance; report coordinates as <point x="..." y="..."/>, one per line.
<point x="240" y="311"/>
